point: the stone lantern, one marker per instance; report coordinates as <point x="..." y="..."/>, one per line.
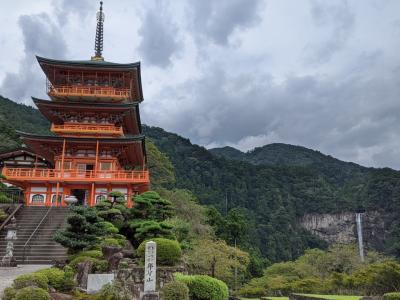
<point x="9" y="259"/>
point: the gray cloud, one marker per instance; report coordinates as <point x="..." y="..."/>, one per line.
<point x="160" y="39"/>
<point x="339" y="19"/>
<point x="217" y="20"/>
<point x="41" y="37"/>
<point x="355" y="119"/>
<point x="82" y="8"/>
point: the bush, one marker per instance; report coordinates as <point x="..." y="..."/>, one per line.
<point x="111" y="242"/>
<point x="29" y="280"/>
<point x="391" y="296"/>
<point x="113" y="291"/>
<point x="5" y="199"/>
<point x="204" y="287"/>
<point x="176" y="290"/>
<point x="99" y="265"/>
<point x="32" y="293"/>
<point x="89" y="253"/>
<point x="3" y="215"/>
<point x="109" y="227"/>
<point x="55" y="277"/>
<point x="9" y="293"/>
<point x="168" y="251"/>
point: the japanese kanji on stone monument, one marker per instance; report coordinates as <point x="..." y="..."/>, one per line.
<point x="150" y="271"/>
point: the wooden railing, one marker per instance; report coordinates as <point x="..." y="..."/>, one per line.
<point x="87" y="129"/>
<point x="84" y="91"/>
<point x="74" y="175"/>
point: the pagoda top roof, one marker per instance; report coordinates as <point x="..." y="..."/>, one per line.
<point x="91" y="105"/>
<point x="88" y="63"/>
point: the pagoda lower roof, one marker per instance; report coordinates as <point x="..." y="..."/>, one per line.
<point x="129" y="149"/>
<point x="128" y="112"/>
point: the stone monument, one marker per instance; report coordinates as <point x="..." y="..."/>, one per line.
<point x="9" y="259"/>
<point x="150" y="270"/>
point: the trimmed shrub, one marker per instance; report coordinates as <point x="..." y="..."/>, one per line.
<point x="54" y="276"/>
<point x="113" y="291"/>
<point x="109" y="227"/>
<point x="204" y="287"/>
<point x="89" y="253"/>
<point x="169" y="252"/>
<point x="32" y="293"/>
<point x="29" y="280"/>
<point x="99" y="265"/>
<point x="176" y="290"/>
<point x="391" y="296"/>
<point x="9" y="293"/>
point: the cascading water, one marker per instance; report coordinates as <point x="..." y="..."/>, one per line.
<point x="360" y="235"/>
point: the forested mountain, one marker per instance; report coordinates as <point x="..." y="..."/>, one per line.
<point x="272" y="186"/>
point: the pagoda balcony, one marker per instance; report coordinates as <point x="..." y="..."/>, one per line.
<point x="74" y="175"/>
<point x="88" y="92"/>
<point x="87" y="129"/>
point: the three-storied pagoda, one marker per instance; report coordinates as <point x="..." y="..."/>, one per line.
<point x="97" y="146"/>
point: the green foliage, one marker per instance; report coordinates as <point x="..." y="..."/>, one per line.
<point x="169" y="252"/>
<point x="32" y="279"/>
<point x="160" y="167"/>
<point x="114" y="291"/>
<point x="9" y="293"/>
<point x="204" y="287"/>
<point x="84" y="228"/>
<point x="99" y="265"/>
<point x="337" y="270"/>
<point x="391" y="296"/>
<point x="176" y="290"/>
<point x="148" y="216"/>
<point x="3" y="215"/>
<point x="111" y="242"/>
<point x="32" y="293"/>
<point x="88" y="253"/>
<point x="55" y="277"/>
<point x="4" y="199"/>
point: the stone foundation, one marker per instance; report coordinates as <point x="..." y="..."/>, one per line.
<point x="133" y="278"/>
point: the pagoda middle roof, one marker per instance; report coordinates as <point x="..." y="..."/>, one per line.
<point x="130" y="111"/>
<point x="88" y="63"/>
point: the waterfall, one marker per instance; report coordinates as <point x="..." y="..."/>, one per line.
<point x="360" y="235"/>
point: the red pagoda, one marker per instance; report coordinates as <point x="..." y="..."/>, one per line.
<point x="97" y="144"/>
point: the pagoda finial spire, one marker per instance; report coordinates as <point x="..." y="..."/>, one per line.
<point x="98" y="44"/>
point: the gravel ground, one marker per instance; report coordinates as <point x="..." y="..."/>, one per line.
<point x="7" y="275"/>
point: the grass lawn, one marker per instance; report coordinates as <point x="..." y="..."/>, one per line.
<point x="334" y="297"/>
<point x="328" y="297"/>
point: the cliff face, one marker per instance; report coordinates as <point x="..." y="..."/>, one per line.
<point x="342" y="228"/>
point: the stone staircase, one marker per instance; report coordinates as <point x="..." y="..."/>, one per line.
<point x="41" y="248"/>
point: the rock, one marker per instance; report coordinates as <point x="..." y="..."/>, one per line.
<point x="60" y="296"/>
<point x="109" y="251"/>
<point x="114" y="260"/>
<point x="83" y="270"/>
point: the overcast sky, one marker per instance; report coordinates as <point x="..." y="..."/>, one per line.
<point x="322" y="74"/>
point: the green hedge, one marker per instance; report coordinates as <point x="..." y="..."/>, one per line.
<point x="5" y="199"/>
<point x="32" y="293"/>
<point x="9" y="293"/>
<point x="29" y="280"/>
<point x="175" y="290"/>
<point x="391" y="296"/>
<point x="169" y="252"/>
<point x="204" y="287"/>
<point x="58" y="279"/>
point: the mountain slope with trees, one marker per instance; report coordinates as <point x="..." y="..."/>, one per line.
<point x="269" y="188"/>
